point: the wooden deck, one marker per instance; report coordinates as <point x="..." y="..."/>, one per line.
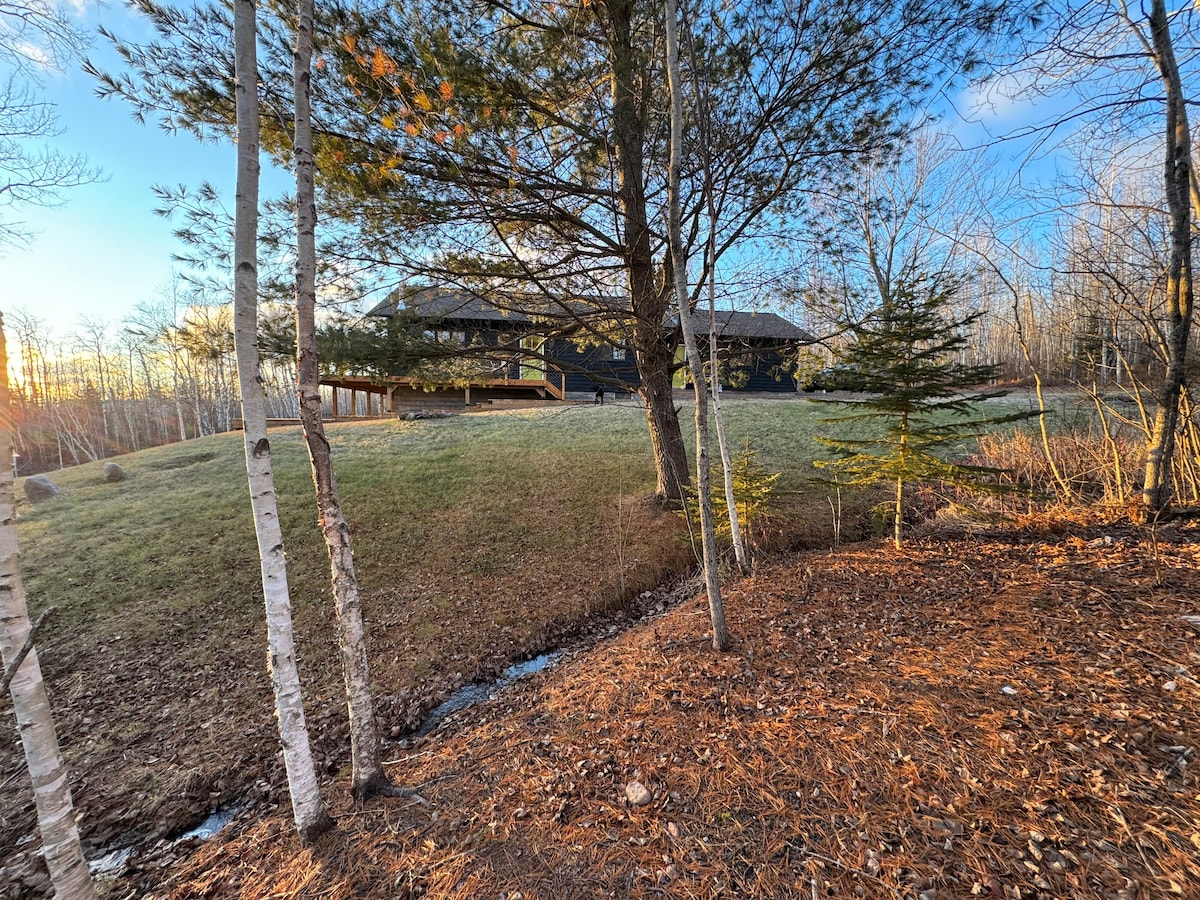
<point x="401" y="392"/>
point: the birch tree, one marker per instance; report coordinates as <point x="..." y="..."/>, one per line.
<point x="307" y="806"/>
<point x="1179" y="181"/>
<point x="23" y="678"/>
<point x="704" y="125"/>
<point x="368" y="776"/>
<point x="712" y="582"/>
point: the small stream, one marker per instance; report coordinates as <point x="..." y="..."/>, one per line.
<point x="470" y="694"/>
<point x="114" y="861"/>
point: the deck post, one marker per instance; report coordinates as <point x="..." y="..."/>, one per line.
<point x="334" y="405"/>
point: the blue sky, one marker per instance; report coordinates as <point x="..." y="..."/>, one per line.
<point x="105" y="251"/>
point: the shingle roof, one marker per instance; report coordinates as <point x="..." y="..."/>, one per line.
<point x="445" y="303"/>
<point x="448" y="303"/>
<point x="761" y="325"/>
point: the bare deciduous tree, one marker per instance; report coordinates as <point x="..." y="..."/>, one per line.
<point x="307" y="806"/>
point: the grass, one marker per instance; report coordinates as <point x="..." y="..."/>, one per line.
<point x="479" y="539"/>
<point x="438" y="494"/>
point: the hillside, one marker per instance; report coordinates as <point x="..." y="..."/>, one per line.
<point x="1009" y="717"/>
<point x="1025" y="684"/>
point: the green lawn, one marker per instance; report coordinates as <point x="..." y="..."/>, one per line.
<point x="179" y="531"/>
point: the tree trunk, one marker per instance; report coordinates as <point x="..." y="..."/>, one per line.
<point x="1177" y="176"/>
<point x="656" y="359"/>
<point x="712" y="581"/>
<point x="735" y="524"/>
<point x="307" y="807"/>
<point x="654" y="348"/>
<point x="710" y="266"/>
<point x="367" y="765"/>
<point x="51" y="792"/>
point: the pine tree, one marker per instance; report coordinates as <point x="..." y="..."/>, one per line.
<point x="906" y="360"/>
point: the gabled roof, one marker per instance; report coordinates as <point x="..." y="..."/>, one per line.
<point x="445" y="303"/>
<point x="449" y="304"/>
<point x="732" y="323"/>
<point x="453" y="304"/>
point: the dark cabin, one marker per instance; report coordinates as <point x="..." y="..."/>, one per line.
<point x="756" y="350"/>
<point x="567" y="350"/>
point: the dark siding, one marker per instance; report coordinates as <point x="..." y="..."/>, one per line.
<point x="598" y="365"/>
<point x="757" y="369"/>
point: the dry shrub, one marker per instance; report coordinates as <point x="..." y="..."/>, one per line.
<point x="1097" y="469"/>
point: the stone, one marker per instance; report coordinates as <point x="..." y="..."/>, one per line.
<point x="637" y="794"/>
<point x="114" y="473"/>
<point x="39" y="488"/>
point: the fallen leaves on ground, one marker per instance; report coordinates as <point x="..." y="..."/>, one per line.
<point x="1003" y="716"/>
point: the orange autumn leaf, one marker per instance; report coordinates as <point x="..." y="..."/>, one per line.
<point x="446" y="90"/>
<point x="349" y="42"/>
<point x="382" y="64"/>
<point x="411" y="130"/>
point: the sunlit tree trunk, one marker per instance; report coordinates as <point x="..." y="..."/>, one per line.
<point x="368" y="776"/>
<point x="308" y="809"/>
<point x="1179" y="182"/>
<point x="712" y="581"/>
<point x="649" y="300"/>
<point x="51" y="792"/>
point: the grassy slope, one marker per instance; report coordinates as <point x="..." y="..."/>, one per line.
<point x="511" y="527"/>
<point x="479" y="539"/>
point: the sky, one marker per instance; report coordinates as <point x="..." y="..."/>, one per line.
<point x="104" y="251"/>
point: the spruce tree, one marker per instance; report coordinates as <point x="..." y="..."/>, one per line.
<point x="919" y="396"/>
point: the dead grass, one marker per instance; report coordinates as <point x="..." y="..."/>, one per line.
<point x="1009" y="717"/>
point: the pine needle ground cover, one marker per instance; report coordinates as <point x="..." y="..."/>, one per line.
<point x="1013" y="717"/>
<point x="481" y="540"/>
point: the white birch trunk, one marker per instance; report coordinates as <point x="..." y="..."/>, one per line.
<point x="367" y="765"/>
<point x="735" y="525"/>
<point x="712" y="581"/>
<point x="741" y="554"/>
<point x="51" y="792"/>
<point x="307" y="807"/>
<point x="1180" y="187"/>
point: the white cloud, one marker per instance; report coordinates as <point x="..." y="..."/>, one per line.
<point x="34" y="54"/>
<point x="998" y="100"/>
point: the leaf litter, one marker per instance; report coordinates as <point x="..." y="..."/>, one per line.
<point x="859" y="741"/>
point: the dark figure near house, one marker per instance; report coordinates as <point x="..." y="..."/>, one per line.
<point x="600" y="396"/>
